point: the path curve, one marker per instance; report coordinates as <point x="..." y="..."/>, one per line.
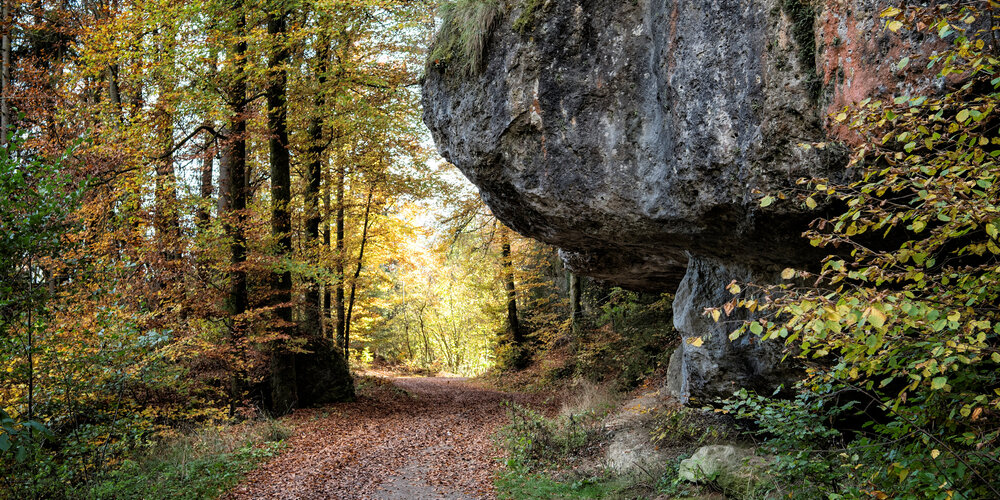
<point x="410" y="438"/>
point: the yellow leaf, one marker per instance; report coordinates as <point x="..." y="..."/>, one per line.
<point x="935" y="453"/>
<point x="876" y="317"/>
<point x="716" y="314"/>
<point x="788" y="273"/>
<point x="735" y="289"/>
<point x="695" y="341"/>
<point x="841" y="117"/>
<point x="811" y="203"/>
<point x="890" y="12"/>
<point x="894" y="26"/>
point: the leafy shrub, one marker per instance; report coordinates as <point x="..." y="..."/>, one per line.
<point x="904" y="312"/>
<point x="633" y="338"/>
<point x="689" y="428"/>
<point x="201" y="464"/>
<point x="531" y="439"/>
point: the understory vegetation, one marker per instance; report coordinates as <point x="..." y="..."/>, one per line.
<point x="897" y="330"/>
<point x="198" y="463"/>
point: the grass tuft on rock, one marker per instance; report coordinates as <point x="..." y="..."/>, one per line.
<point x="465" y="30"/>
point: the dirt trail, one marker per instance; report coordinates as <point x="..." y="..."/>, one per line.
<point x="411" y="438"/>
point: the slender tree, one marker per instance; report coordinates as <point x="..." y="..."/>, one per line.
<point x="6" y="88"/>
<point x="315" y="156"/>
<point x="339" y="258"/>
<point x="357" y="270"/>
<point x="513" y="325"/>
<point x="575" y="290"/>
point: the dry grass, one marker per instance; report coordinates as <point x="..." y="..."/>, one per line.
<point x="584" y="396"/>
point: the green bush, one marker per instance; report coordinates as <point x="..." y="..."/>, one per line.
<point x="903" y="313"/>
<point x="632" y="337"/>
<point x="690" y="428"/>
<point x="202" y="464"/>
<point x="533" y="440"/>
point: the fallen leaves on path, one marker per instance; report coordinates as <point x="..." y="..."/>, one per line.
<point x="411" y="438"/>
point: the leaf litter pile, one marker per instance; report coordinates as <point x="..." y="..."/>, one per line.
<point x="408" y="438"/>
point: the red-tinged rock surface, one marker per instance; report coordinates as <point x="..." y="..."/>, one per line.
<point x="408" y="438"/>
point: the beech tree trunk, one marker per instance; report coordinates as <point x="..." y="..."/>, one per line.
<point x="167" y="222"/>
<point x="283" y="374"/>
<point x="313" y="180"/>
<point x="237" y="200"/>
<point x="202" y="215"/>
<point x="357" y="273"/>
<point x="513" y="325"/>
<point x="575" y="289"/>
<point x="339" y="263"/>
<point x="6" y="85"/>
<point x="327" y="290"/>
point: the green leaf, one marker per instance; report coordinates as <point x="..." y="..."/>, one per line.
<point x="938" y="383"/>
<point x="755" y="328"/>
<point x="766" y="201"/>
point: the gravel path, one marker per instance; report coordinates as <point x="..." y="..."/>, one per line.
<point x="407" y="438"/>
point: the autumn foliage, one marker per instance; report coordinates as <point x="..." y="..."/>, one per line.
<point x="898" y="329"/>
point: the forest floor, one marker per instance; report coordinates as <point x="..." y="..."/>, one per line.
<point x="404" y="438"/>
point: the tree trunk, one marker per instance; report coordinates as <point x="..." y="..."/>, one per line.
<point x="202" y="215"/>
<point x="114" y="94"/>
<point x="513" y="326"/>
<point x="406" y="326"/>
<point x="313" y="179"/>
<point x="339" y="262"/>
<point x="327" y="292"/>
<point x="357" y="273"/>
<point x="237" y="199"/>
<point x="575" y="289"/>
<point x="167" y="222"/>
<point x="423" y="333"/>
<point x="225" y="192"/>
<point x="6" y="85"/>
<point x="283" y="375"/>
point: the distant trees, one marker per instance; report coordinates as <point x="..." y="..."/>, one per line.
<point x="219" y="138"/>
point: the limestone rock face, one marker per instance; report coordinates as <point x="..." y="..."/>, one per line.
<point x="630" y="133"/>
<point x="638" y="136"/>
<point x="716" y="367"/>
<point x="736" y="471"/>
